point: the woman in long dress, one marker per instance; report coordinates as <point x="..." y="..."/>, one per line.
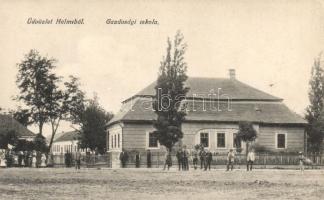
<point x="34" y="160"/>
<point x="2" y="158"/>
<point x="43" y="159"/>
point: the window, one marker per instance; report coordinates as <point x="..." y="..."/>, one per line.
<point x="220" y="140"/>
<point x="112" y="141"/>
<point x="115" y="141"/>
<point x="204" y="139"/>
<point x="152" y="141"/>
<point x="118" y="141"/>
<point x="281" y="141"/>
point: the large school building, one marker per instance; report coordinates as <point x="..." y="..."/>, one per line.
<point x="214" y="106"/>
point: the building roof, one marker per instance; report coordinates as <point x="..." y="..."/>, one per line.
<point x="7" y="122"/>
<point x="247" y="104"/>
<point x="258" y="112"/>
<point x="201" y="87"/>
<point x="68" y="136"/>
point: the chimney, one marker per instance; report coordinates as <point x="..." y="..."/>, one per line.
<point x="232" y="74"/>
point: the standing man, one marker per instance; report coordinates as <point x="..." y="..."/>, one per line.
<point x="301" y="159"/>
<point x="209" y="158"/>
<point x="138" y="159"/>
<point x="38" y="159"/>
<point x="249" y="160"/>
<point x="149" y="159"/>
<point x="230" y="159"/>
<point x="168" y="160"/>
<point x="179" y="158"/>
<point x="202" y="155"/>
<point x="185" y="158"/>
<point x="195" y="159"/>
<point x="77" y="159"/>
<point x="123" y="157"/>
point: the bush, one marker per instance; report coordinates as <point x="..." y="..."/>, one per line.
<point x="239" y="150"/>
<point x="260" y="149"/>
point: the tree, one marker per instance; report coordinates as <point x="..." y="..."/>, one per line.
<point x="64" y="104"/>
<point x="8" y="137"/>
<point x="93" y="123"/>
<point x="246" y="133"/>
<point x="314" y="112"/>
<point x="40" y="144"/>
<point x="23" y="116"/>
<point x="35" y="80"/>
<point x="47" y="100"/>
<point x="170" y="91"/>
<point x="24" y="145"/>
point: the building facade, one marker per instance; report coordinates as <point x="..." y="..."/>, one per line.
<point x="65" y="142"/>
<point x="214" y="107"/>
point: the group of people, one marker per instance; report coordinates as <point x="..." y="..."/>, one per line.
<point x="249" y="160"/>
<point x="183" y="159"/>
<point x="75" y="158"/>
<point x="9" y="158"/>
<point x="206" y="158"/>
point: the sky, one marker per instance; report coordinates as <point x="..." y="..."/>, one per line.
<point x="266" y="42"/>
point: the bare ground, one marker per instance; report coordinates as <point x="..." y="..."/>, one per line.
<point x="60" y="183"/>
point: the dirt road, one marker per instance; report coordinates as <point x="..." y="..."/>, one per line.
<point x="157" y="184"/>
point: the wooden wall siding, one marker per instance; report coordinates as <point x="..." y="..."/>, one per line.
<point x="134" y="136"/>
<point x="112" y="131"/>
<point x="295" y="138"/>
<point x="191" y="134"/>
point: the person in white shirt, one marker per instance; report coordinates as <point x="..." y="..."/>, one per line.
<point x="249" y="160"/>
<point x="230" y="160"/>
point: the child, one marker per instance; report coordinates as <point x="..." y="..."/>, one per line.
<point x="249" y="160"/>
<point x="230" y="159"/>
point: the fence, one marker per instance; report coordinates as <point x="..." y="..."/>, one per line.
<point x="158" y="159"/>
<point x="88" y="161"/>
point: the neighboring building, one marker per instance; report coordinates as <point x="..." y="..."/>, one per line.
<point x="214" y="108"/>
<point x="7" y="123"/>
<point x="65" y="142"/>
